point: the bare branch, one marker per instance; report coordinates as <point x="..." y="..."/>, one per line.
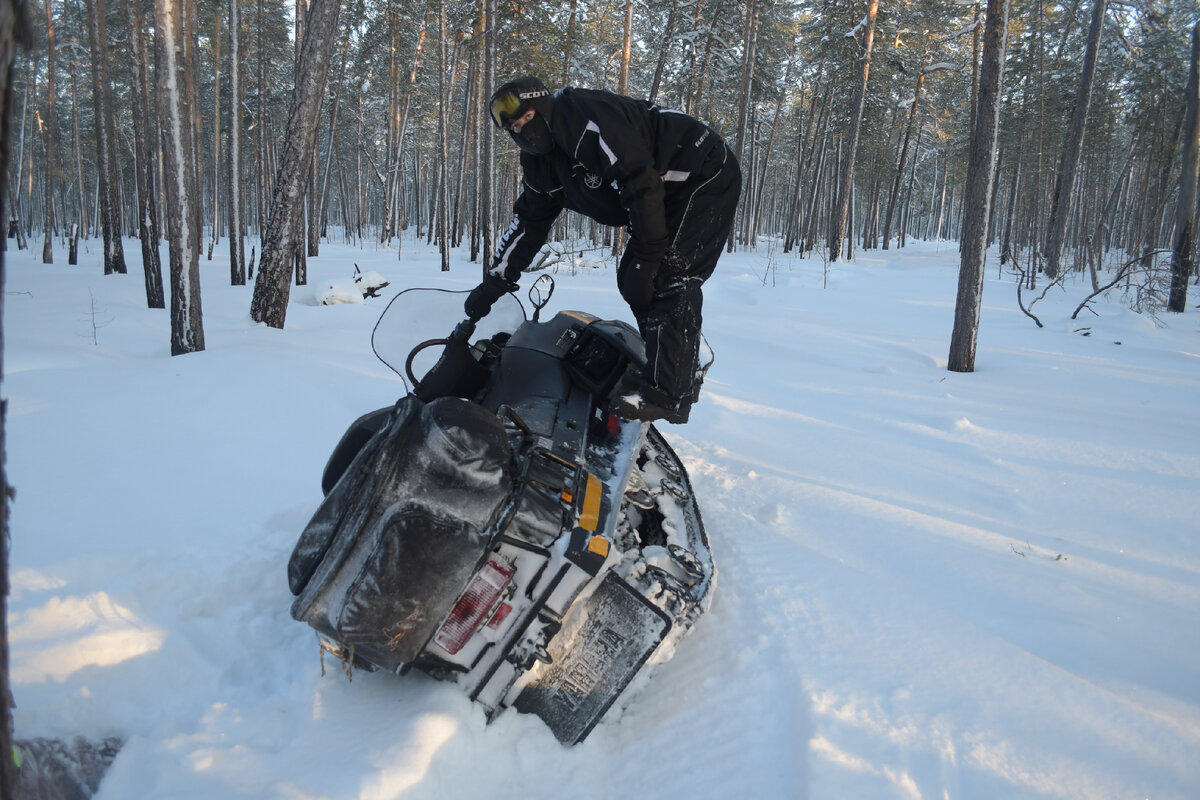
<point x="1122" y="272"/>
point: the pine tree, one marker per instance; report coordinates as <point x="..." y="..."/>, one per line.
<point x="1183" y="251"/>
<point x="106" y="145"/>
<point x="978" y="196"/>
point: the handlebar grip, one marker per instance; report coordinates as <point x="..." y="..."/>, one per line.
<point x="464" y="330"/>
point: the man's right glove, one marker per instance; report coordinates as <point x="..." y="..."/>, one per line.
<point x="479" y="302"/>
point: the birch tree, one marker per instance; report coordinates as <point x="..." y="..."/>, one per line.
<point x="273" y="286"/>
<point x="179" y="176"/>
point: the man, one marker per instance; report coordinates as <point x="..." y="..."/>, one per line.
<point x="620" y="161"/>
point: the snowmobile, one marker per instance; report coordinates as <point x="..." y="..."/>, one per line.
<point x="498" y="527"/>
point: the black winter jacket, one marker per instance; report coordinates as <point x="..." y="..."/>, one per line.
<point x="617" y="160"/>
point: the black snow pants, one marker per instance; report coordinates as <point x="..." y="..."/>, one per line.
<point x="701" y="217"/>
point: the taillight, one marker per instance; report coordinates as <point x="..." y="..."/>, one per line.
<point x="614" y="425"/>
<point x="501" y="614"/>
<point x="480" y="598"/>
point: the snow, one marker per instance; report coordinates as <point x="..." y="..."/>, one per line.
<point x="932" y="585"/>
<point x="343" y="290"/>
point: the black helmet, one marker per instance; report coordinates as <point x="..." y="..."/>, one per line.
<point x="514" y="98"/>
<point x="512" y="101"/>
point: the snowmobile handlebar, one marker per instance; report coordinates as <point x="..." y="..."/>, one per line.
<point x="456" y="359"/>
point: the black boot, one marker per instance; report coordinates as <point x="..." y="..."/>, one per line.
<point x="650" y="404"/>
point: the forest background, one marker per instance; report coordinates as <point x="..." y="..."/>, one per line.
<point x="853" y="122"/>
<point x="272" y="126"/>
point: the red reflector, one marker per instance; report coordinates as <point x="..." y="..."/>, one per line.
<point x="500" y="615"/>
<point x="614" y="425"/>
<point x="473" y="605"/>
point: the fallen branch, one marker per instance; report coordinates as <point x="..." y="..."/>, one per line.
<point x="1020" y="299"/>
<point x="1122" y="272"/>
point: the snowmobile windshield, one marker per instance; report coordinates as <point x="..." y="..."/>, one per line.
<point x="415" y="316"/>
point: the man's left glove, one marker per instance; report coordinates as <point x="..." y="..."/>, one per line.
<point x="479" y="302"/>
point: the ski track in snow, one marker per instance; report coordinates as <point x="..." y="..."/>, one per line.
<point x="929" y="585"/>
<point x="782" y="560"/>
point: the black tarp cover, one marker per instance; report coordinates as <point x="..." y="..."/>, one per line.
<point x="395" y="541"/>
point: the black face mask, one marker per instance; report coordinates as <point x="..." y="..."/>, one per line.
<point x="534" y="137"/>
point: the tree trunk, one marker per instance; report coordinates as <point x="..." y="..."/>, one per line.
<point x="744" y="128"/>
<point x="1010" y="213"/>
<point x="977" y="200"/>
<point x="906" y="205"/>
<point x="568" y="45"/>
<point x="313" y="232"/>
<point x="261" y="188"/>
<point x="1153" y="204"/>
<point x="81" y="212"/>
<point x="443" y="132"/>
<point x="1096" y="242"/>
<point x="488" y="167"/>
<point x="757" y="207"/>
<point x="626" y="49"/>
<point x="393" y="209"/>
<point x="894" y="198"/>
<point x="16" y="215"/>
<point x="237" y="247"/>
<point x="813" y="135"/>
<point x="106" y="145"/>
<point x="819" y="181"/>
<point x="179" y="176"/>
<point x="974" y="101"/>
<point x="145" y="153"/>
<point x="793" y="208"/>
<point x="1183" y="252"/>
<point x="699" y="71"/>
<point x="841" y="211"/>
<point x="330" y="153"/>
<point x="14" y="30"/>
<point x="394" y="217"/>
<point x="479" y="130"/>
<point x="1064" y="187"/>
<point x="48" y="129"/>
<point x="273" y="286"/>
<point x="466" y="145"/>
<point x="746" y="83"/>
<point x="215" y="233"/>
<point x="663" y="47"/>
<point x="299" y="252"/>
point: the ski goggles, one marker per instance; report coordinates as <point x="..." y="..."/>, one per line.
<point x="511" y="104"/>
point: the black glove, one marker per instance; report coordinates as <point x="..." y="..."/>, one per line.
<point x="492" y="288"/>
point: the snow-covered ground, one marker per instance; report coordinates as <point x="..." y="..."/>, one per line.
<point x="932" y="585"/>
